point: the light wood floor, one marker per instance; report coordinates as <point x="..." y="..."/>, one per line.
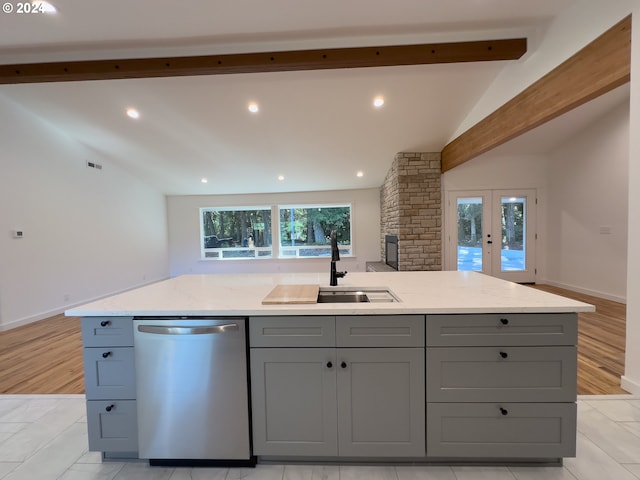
<point x="601" y="343"/>
<point x="42" y="357"/>
<point x="46" y="356"/>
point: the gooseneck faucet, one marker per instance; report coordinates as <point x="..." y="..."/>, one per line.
<point x="335" y="256"/>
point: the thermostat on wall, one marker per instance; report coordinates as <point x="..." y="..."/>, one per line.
<point x="18" y="234"/>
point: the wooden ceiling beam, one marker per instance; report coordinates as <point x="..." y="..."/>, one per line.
<point x="476" y="51"/>
<point x="601" y="66"/>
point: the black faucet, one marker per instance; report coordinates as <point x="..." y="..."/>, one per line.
<point x="335" y="256"/>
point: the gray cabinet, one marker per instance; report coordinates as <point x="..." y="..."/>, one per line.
<point x="501" y="430"/>
<point x="489" y="329"/>
<point x="311" y="331"/>
<point x="112" y="426"/>
<point x="109" y="373"/>
<point x="501" y="386"/>
<point x="109" y="368"/>
<point x="339" y="401"/>
<point x="381" y="402"/>
<point x="380" y="331"/>
<point x="507" y="374"/>
<point x="107" y="331"/>
<point x="294" y="401"/>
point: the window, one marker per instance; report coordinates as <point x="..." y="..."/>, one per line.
<point x="234" y="233"/>
<point x="305" y="230"/>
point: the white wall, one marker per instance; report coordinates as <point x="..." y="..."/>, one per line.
<point x="184" y="232"/>
<point x="587" y="192"/>
<point x="579" y="24"/>
<point x="87" y="233"/>
<point x="631" y="378"/>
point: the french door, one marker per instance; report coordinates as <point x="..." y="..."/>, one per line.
<point x="493" y="231"/>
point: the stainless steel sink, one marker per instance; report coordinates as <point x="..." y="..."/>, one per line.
<point x="342" y="297"/>
<point x="356" y="295"/>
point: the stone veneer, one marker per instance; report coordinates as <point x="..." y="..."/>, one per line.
<point x="410" y="207"/>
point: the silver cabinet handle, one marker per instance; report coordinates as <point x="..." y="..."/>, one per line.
<point x="173" y="330"/>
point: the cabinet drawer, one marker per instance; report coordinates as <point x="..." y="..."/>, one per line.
<point x="311" y="331"/>
<point x="502" y="329"/>
<point x="107" y="331"/>
<point x="380" y="331"/>
<point x="109" y="372"/>
<point x="509" y="430"/>
<point x="508" y="374"/>
<point x="112" y="426"/>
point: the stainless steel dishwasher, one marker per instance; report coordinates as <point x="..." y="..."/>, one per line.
<point x="192" y="390"/>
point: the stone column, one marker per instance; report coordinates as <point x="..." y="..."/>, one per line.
<point x="410" y="207"/>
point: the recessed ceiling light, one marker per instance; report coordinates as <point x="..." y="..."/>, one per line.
<point x="253" y="107"/>
<point x="378" y="102"/>
<point x="204" y="180"/>
<point x="360" y="173"/>
<point x="280" y="177"/>
<point x="133" y="113"/>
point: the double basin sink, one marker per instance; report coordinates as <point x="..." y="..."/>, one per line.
<point x="356" y="295"/>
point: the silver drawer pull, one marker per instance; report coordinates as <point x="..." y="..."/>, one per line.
<point x="173" y="330"/>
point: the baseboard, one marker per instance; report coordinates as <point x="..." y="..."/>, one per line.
<point x="630" y="385"/>
<point x="38" y="396"/>
<point x="586" y="291"/>
<point x="57" y="311"/>
<point x="27" y="320"/>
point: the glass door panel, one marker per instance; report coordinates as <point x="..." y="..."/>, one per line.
<point x="469" y="246"/>
<point x="513" y="212"/>
<point x="493" y="232"/>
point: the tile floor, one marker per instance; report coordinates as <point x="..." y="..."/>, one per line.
<point x="44" y="437"/>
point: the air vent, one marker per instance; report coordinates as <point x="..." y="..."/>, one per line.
<point x="97" y="166"/>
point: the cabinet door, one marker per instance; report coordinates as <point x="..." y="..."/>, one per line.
<point x="294" y="401"/>
<point x="109" y="372"/>
<point x="112" y="425"/>
<point x="381" y="402"/>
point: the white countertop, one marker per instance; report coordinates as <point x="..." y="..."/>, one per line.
<point x="419" y="292"/>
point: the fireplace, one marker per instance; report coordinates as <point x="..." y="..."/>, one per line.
<point x="391" y="251"/>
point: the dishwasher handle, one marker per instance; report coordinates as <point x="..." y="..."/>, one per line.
<point x="199" y="330"/>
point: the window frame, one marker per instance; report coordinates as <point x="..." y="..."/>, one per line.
<point x="276" y="248"/>
<point x="342" y="248"/>
<point x="221" y="250"/>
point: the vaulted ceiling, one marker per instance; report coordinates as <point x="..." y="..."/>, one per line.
<point x="316" y="129"/>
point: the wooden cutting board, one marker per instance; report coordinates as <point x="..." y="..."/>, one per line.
<point x="285" y="294"/>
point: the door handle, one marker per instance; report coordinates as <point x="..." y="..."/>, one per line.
<point x="174" y="330"/>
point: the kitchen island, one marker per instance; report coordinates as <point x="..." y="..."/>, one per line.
<point x="462" y="368"/>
